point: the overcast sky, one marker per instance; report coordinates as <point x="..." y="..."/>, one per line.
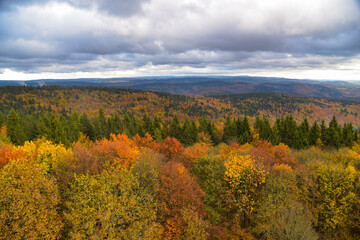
<point x="314" y="39"/>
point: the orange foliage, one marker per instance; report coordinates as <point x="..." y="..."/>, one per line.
<point x="283" y="156"/>
<point x="234" y="149"/>
<point x="147" y="141"/>
<point x="195" y="152"/>
<point x="273" y="155"/>
<point x="171" y="148"/>
<point x="178" y="190"/>
<point x="7" y="153"/>
<point x="119" y="151"/>
<point x="86" y="162"/>
<point x="173" y="227"/>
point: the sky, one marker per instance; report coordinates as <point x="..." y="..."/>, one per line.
<point x="303" y="39"/>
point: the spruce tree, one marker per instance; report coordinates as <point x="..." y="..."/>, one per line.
<point x="348" y="135"/>
<point x="86" y="127"/>
<point x="314" y="134"/>
<point x="333" y="134"/>
<point x="175" y="128"/>
<point x="15" y="128"/>
<point x="303" y="134"/>
<point x="230" y="131"/>
<point x="187" y="134"/>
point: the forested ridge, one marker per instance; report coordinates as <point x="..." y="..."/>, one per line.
<point x="129" y="164"/>
<point x="37" y="100"/>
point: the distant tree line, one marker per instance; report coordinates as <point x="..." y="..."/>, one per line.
<point x="66" y="129"/>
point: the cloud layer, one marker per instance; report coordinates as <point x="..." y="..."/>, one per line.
<point x="158" y="36"/>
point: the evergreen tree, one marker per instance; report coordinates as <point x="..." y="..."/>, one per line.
<point x="86" y="127"/>
<point x="290" y="132"/>
<point x="214" y="134"/>
<point x="2" y="118"/>
<point x="304" y="134"/>
<point x="72" y="129"/>
<point x="314" y="134"/>
<point x="157" y="122"/>
<point x="148" y="125"/>
<point x="194" y="131"/>
<point x="102" y="128"/>
<point x="203" y="125"/>
<point x="15" y="128"/>
<point x="266" y="131"/>
<point x="356" y="136"/>
<point x="333" y="134"/>
<point x="348" y="135"/>
<point x="323" y="130"/>
<point x="245" y="134"/>
<point x="275" y="136"/>
<point x="175" y="128"/>
<point x="115" y="124"/>
<point x="187" y="134"/>
<point x="230" y="131"/>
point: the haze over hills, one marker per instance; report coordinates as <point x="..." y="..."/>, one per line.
<point x="214" y="85"/>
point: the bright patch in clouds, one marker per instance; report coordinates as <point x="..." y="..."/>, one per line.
<point x="105" y="38"/>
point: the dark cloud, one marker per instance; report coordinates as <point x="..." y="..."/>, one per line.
<point x="85" y="35"/>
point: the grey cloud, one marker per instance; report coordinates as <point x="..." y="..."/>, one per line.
<point x="105" y="34"/>
<point x="115" y="7"/>
<point x="124" y="8"/>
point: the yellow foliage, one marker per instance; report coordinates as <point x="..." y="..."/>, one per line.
<point x="28" y="201"/>
<point x="48" y="155"/>
<point x="244" y="178"/>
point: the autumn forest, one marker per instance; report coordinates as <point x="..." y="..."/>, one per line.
<point x="106" y="163"/>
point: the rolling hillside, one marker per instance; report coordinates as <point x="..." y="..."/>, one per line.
<point x="137" y="102"/>
<point x="214" y="85"/>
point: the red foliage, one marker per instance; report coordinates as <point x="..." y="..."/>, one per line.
<point x="171" y="148"/>
<point x="283" y="156"/>
<point x="118" y="151"/>
<point x="178" y="190"/>
<point x="86" y="162"/>
<point x="146" y="141"/>
<point x="271" y="155"/>
<point x="173" y="227"/>
<point x="7" y="153"/>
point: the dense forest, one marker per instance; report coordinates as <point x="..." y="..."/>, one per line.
<point x="163" y="170"/>
<point x="38" y="100"/>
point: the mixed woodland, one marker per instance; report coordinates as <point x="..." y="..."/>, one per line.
<point x="102" y="163"/>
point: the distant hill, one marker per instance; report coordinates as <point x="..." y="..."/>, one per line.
<point x="215" y="85"/>
<point x="137" y="102"/>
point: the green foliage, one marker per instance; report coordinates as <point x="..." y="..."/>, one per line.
<point x="211" y="172"/>
<point x="15" y="128"/>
